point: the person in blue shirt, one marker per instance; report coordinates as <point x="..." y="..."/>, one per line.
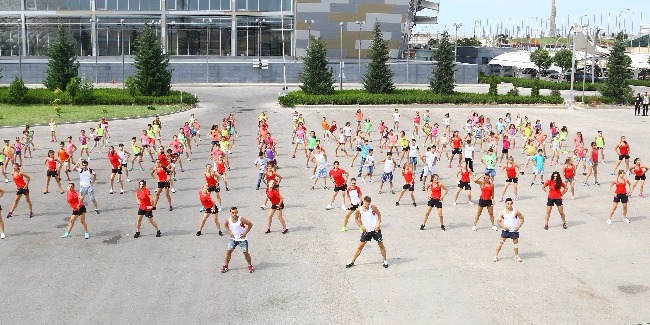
<point x="365" y="149"/>
<point x="539" y="160"/>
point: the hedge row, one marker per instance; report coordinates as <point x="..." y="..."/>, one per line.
<point x="543" y="84"/>
<point x="597" y="100"/>
<point x="102" y="96"/>
<point x="409" y="96"/>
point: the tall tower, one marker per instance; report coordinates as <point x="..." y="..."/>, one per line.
<point x="553" y="31"/>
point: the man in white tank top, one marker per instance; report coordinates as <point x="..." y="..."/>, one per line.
<point x="510" y="220"/>
<point x="368" y="219"/>
<point x="238" y="228"/>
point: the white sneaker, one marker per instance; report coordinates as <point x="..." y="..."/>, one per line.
<point x="121" y="191"/>
<point x="494" y="227"/>
<point x="612" y="173"/>
<point x="454" y="204"/>
<point x="471" y="203"/>
<point x="474" y="228"/>
<point x="626" y="220"/>
<point x="328" y="207"/>
<point x="363" y="180"/>
<point x="6" y="180"/>
<point x="128" y="180"/>
<point x="220" y="209"/>
<point x="173" y="190"/>
<point x="262" y="207"/>
<point x="371" y="181"/>
<point x="343" y="207"/>
<point x="627" y="173"/>
<point x="609" y="221"/>
<point x="2" y="235"/>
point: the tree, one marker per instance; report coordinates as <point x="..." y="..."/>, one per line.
<point x="443" y="81"/>
<point x="541" y="58"/>
<point x="316" y="77"/>
<point x="62" y="64"/>
<point x="378" y="78"/>
<point x="153" y="76"/>
<point x="618" y="64"/>
<point x="469" y="42"/>
<point x="563" y="58"/>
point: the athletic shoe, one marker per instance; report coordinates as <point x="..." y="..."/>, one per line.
<point x="545" y="227"/>
<point x="471" y="203"/>
<point x="128" y="180"/>
<point x="86" y="235"/>
<point x="532" y="183"/>
<point x="182" y="170"/>
<point x="564" y="226"/>
<point x="385" y="264"/>
<point x="414" y="204"/>
<point x="612" y="173"/>
<point x="343" y="207"/>
<point x="626" y="220"/>
<point x="495" y="259"/>
<point x="174" y="178"/>
<point x="173" y="190"/>
<point x="224" y="269"/>
<point x="285" y="231"/>
<point x="501" y="200"/>
<point x="596" y="183"/>
<point x="422" y="227"/>
<point x="262" y="207"/>
<point x="454" y="204"/>
<point x="158" y="234"/>
<point x="31" y="214"/>
<point x="6" y="180"/>
<point x="10" y="214"/>
<point x="363" y="180"/>
<point x="572" y="197"/>
<point x="201" y="210"/>
<point x="251" y="269"/>
<point x="585" y="184"/>
<point x="198" y="233"/>
<point x="96" y="211"/>
<point x="494" y="227"/>
<point x="66" y="235"/>
<point x="328" y="207"/>
<point x="371" y="181"/>
<point x="474" y="228"/>
<point x="312" y="188"/>
<point x="141" y="169"/>
<point x="131" y="169"/>
<point x="122" y="191"/>
<point x="220" y="233"/>
<point x="396" y="204"/>
<point x="443" y="227"/>
<point x="171" y="208"/>
<point x="349" y="265"/>
<point x="516" y="199"/>
<point x="2" y="235"/>
<point x="267" y="231"/>
<point x="609" y="221"/>
<point x="392" y="192"/>
<point x="517" y="258"/>
<point x="137" y="234"/>
<point x="344" y="229"/>
<point x="111" y="192"/>
<point x="380" y="192"/>
<point x="219" y="209"/>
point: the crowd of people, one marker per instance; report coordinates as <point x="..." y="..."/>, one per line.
<point x="423" y="153"/>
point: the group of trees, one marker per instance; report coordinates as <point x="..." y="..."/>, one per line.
<point x="318" y="79"/>
<point x="152" y="77"/>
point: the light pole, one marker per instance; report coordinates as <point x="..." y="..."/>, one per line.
<point x="93" y="22"/>
<point x="20" y="49"/>
<point x="259" y="43"/>
<point x="341" y="59"/>
<point x="207" y="51"/>
<point x="360" y="23"/>
<point x="624" y="13"/>
<point x="122" y="45"/>
<point x="309" y="22"/>
<point x="458" y="26"/>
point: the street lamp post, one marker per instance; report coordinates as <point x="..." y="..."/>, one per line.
<point x="207" y="51"/>
<point x="341" y="59"/>
<point x="259" y="43"/>
<point x="360" y="23"/>
<point x="122" y="45"/>
<point x="20" y="49"/>
<point x="458" y="26"/>
<point x="309" y="22"/>
<point x="93" y="22"/>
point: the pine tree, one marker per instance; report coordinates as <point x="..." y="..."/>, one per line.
<point x="378" y="78"/>
<point x="317" y="79"/>
<point x="153" y="76"/>
<point x="618" y="65"/>
<point x="62" y="64"/>
<point x="443" y="81"/>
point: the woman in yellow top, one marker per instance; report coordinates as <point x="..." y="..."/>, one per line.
<point x="529" y="149"/>
<point x="404" y="143"/>
<point x="8" y="152"/>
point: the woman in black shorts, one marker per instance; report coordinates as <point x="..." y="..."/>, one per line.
<point x="556" y="189"/>
<point x="22" y="188"/>
<point x="145" y="208"/>
<point x="485" y="200"/>
<point x="436" y="195"/>
<point x="639" y="171"/>
<point x="277" y="204"/>
<point x="52" y="171"/>
<point x="619" y="188"/>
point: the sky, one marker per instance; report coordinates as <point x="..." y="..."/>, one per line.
<point x="600" y="13"/>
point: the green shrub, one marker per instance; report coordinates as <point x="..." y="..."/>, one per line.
<point x="17" y="91"/>
<point x="131" y="87"/>
<point x="597" y="100"/>
<point x="642" y="83"/>
<point x="73" y="87"/>
<point x="543" y="84"/>
<point x="85" y="92"/>
<point x="493" y="91"/>
<point x="555" y="92"/>
<point x="514" y="91"/>
<point x="409" y="96"/>
<point x="534" y="91"/>
<point x="102" y="96"/>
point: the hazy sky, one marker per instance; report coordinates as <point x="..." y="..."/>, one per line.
<point x="510" y="13"/>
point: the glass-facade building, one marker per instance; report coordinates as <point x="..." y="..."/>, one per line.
<point x="186" y="27"/>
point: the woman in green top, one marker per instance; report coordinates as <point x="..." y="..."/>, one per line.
<point x="311" y="144"/>
<point x="99" y="132"/>
<point x="564" y="132"/>
<point x="600" y="145"/>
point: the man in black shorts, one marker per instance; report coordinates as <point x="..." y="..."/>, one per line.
<point x="510" y="220"/>
<point x="368" y="219"/>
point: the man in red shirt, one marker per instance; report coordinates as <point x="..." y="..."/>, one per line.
<point x="339" y="177"/>
<point x="78" y="210"/>
<point x="145" y="207"/>
<point x="208" y="208"/>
